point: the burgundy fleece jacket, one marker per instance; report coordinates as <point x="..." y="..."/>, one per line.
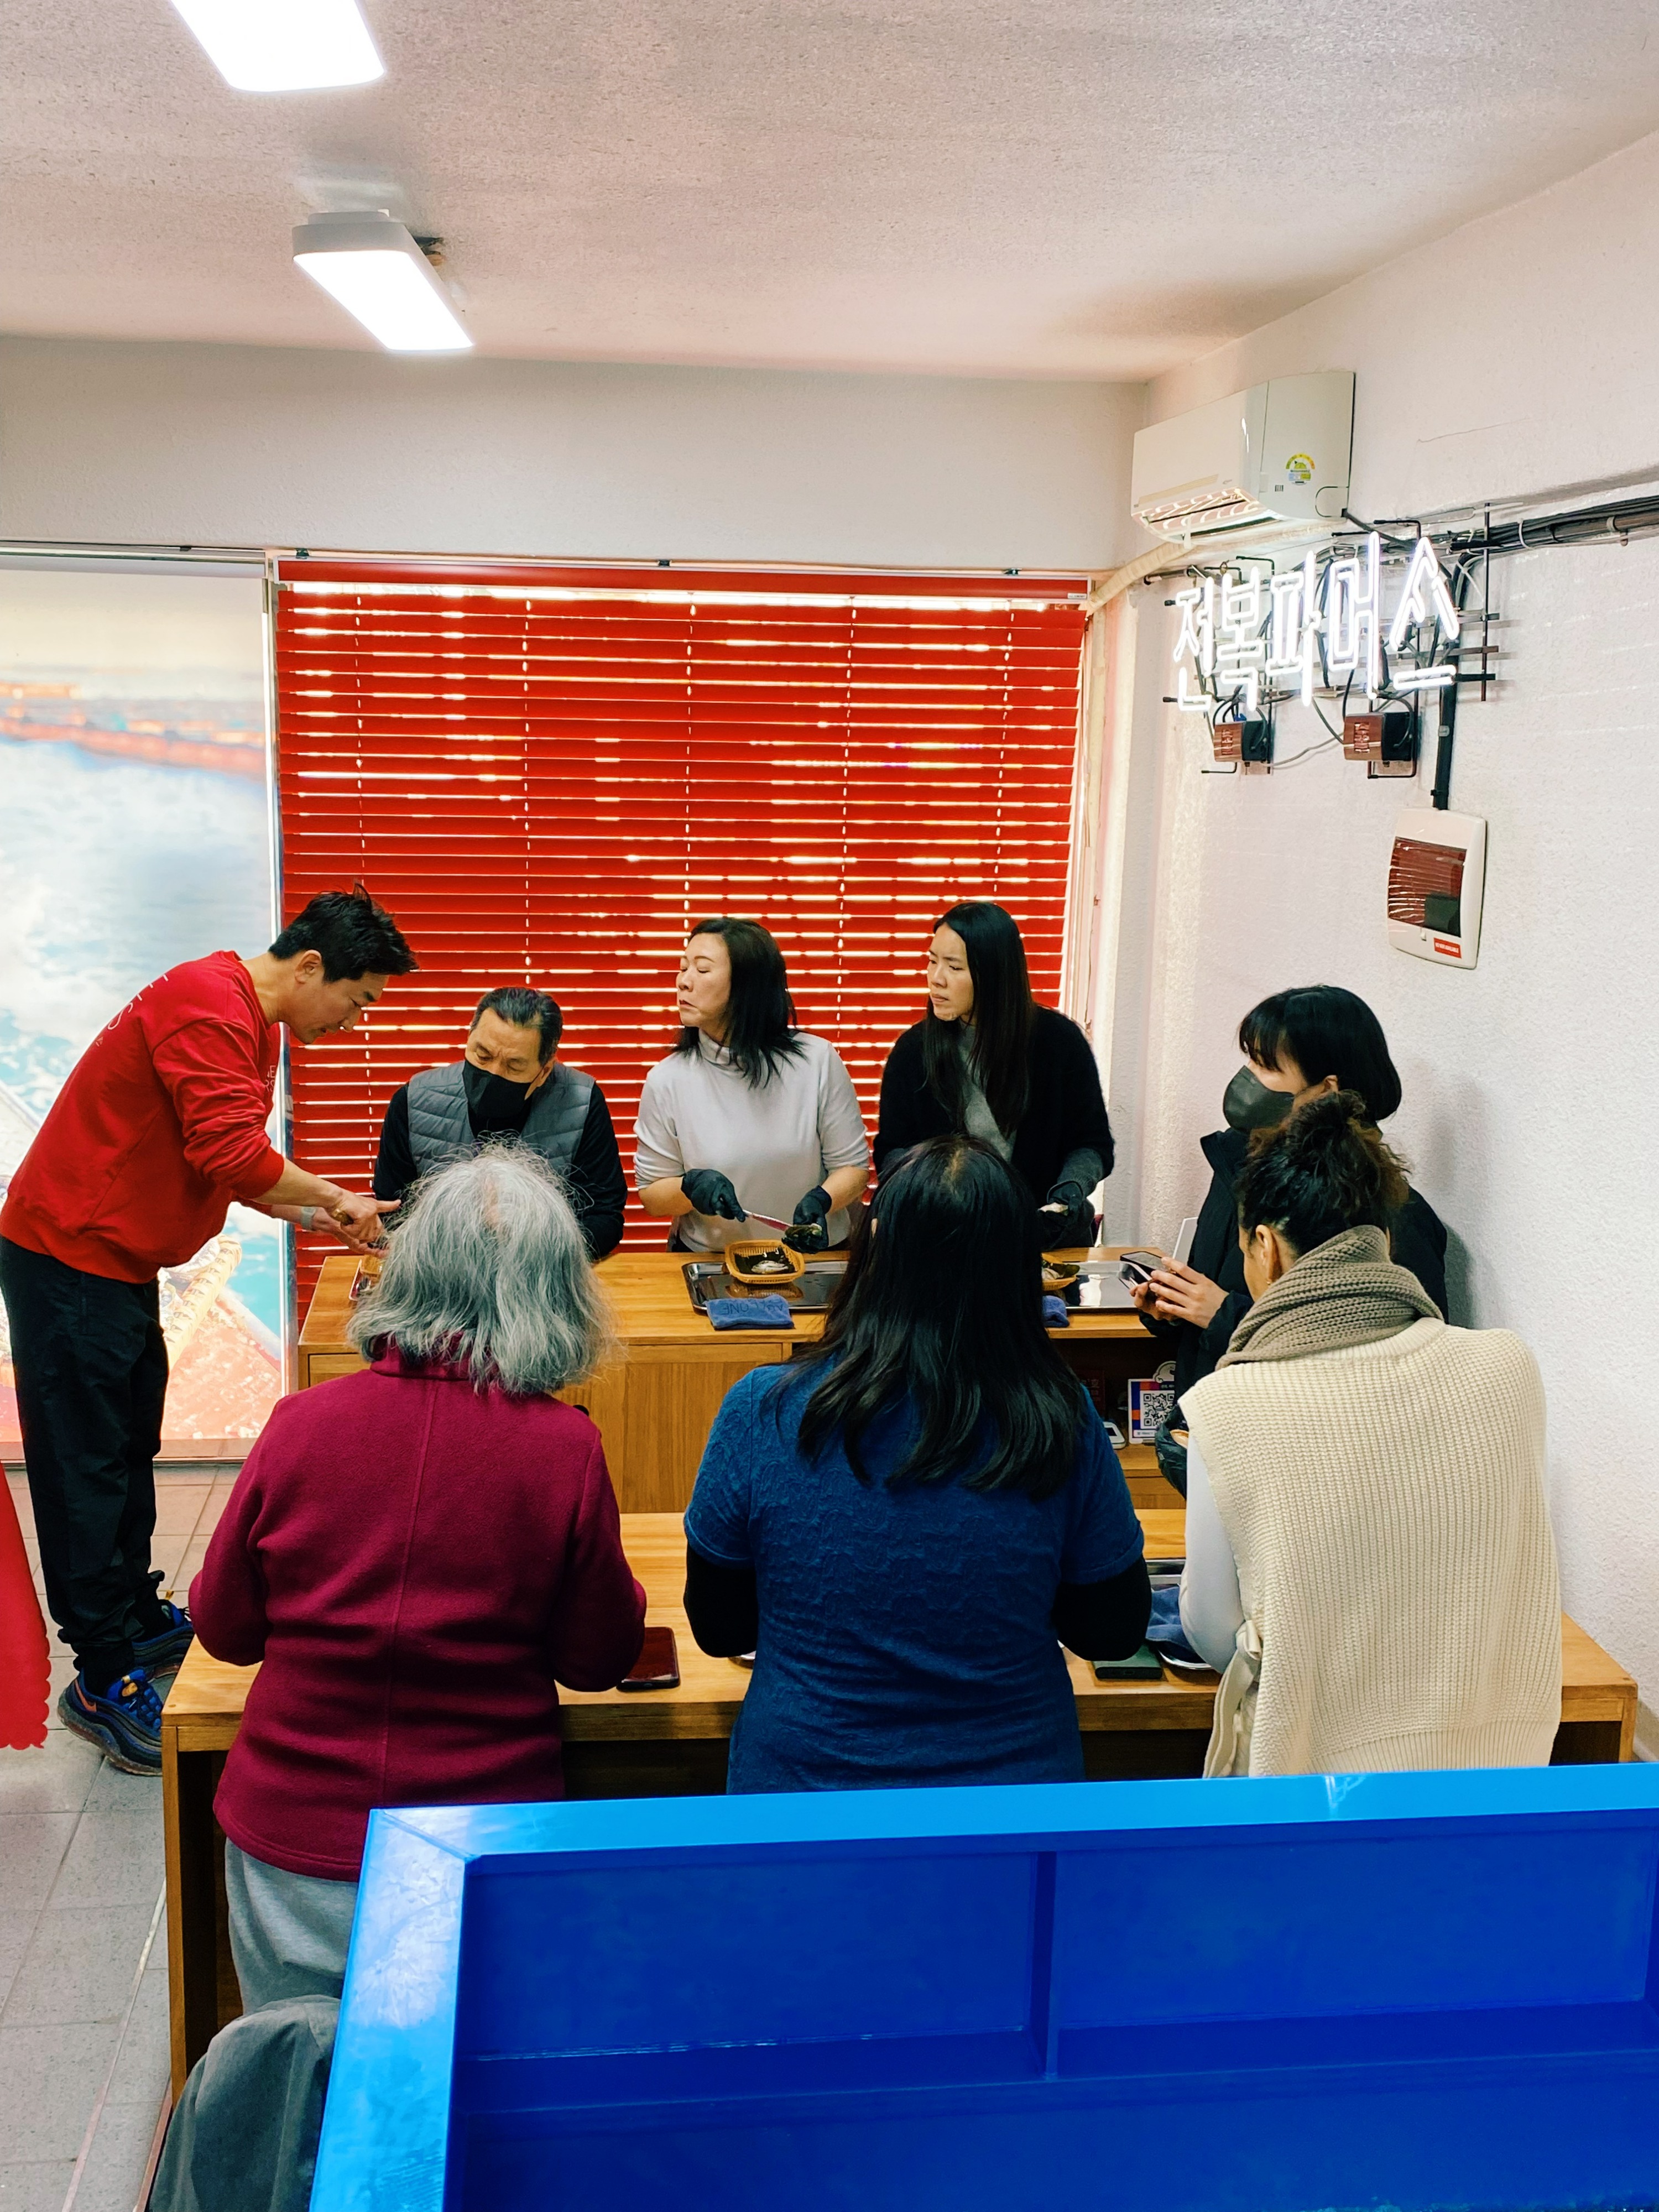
<point x="417" y="1566"/>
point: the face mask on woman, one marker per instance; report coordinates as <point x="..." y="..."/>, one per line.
<point x="493" y="1103"/>
<point x="1248" y="1103"/>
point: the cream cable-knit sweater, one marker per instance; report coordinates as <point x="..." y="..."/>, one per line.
<point x="1385" y="1504"/>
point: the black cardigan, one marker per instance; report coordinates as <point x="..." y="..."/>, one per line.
<point x="1417" y="1233"/>
<point x="1064" y="1113"/>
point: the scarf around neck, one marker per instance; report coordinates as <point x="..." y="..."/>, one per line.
<point x="1345" y="1293"/>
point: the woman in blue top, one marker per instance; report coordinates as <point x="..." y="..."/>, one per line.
<point x="905" y="1524"/>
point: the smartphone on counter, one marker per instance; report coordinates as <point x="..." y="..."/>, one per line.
<point x="658" y="1666"/>
<point x="1142" y="1666"/>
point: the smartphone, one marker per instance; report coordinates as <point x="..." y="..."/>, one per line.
<point x="1183" y="1245"/>
<point x="1142" y="1666"/>
<point x="658" y="1666"/>
<point x="1137" y="1267"/>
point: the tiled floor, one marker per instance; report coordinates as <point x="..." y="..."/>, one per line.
<point x="83" y="1989"/>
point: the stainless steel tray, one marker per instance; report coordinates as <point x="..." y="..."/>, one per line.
<point x="1098" y="1288"/>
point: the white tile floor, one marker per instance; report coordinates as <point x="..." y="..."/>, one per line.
<point x="83" y="1990"/>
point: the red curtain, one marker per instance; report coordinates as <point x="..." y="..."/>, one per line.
<point x="548" y="776"/>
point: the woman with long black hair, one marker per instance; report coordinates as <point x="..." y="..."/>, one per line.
<point x="748" y="1116"/>
<point x="902" y="1523"/>
<point x="987" y="1061"/>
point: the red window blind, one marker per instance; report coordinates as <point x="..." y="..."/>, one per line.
<point x="548" y="775"/>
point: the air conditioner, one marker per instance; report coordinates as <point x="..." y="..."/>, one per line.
<point x="1278" y="453"/>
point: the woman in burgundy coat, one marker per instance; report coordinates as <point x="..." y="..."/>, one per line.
<point x="417" y="1555"/>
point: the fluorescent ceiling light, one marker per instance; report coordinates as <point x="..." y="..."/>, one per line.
<point x="285" y="45"/>
<point x="374" y="269"/>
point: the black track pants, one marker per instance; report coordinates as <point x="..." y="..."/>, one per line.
<point x="92" y="1378"/>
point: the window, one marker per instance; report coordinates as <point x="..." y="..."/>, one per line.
<point x="548" y="775"/>
<point x="135" y="834"/>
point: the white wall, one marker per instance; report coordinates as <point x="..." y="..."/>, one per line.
<point x="255" y="445"/>
<point x="1512" y="358"/>
<point x="1531" y="1085"/>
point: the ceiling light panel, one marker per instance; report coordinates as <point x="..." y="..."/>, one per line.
<point x="285" y="45"/>
<point x="371" y="265"/>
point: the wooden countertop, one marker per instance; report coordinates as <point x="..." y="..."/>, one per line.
<point x="649" y="1297"/>
<point x="205" y="1705"/>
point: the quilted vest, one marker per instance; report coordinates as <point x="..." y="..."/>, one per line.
<point x="439" y="1130"/>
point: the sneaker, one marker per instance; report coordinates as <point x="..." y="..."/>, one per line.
<point x="163" y="1653"/>
<point x="125" y="1722"/>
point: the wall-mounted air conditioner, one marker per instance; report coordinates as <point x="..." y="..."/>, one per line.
<point x="1279" y="452"/>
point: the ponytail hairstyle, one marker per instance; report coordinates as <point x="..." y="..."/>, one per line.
<point x="760" y="1015"/>
<point x="1003" y="1008"/>
<point x="1324" y="1171"/>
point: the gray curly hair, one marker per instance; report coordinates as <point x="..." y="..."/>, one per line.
<point x="487" y="1267"/>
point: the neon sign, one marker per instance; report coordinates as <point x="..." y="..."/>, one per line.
<point x="1321" y="625"/>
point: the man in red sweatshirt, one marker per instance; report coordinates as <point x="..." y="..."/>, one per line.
<point x="161" y="1124"/>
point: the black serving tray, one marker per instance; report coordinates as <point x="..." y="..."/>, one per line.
<point x="813" y="1288"/>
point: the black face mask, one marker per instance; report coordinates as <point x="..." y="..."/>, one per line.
<point x="493" y="1103"/>
<point x="1249" y="1104"/>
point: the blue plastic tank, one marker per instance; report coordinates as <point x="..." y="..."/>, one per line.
<point x="1406" y="1990"/>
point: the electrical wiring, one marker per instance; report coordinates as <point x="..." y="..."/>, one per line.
<point x="1336" y="735"/>
<point x="1322" y="744"/>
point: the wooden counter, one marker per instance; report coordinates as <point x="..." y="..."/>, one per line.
<point x="655" y="1405"/>
<point x="673" y="1743"/>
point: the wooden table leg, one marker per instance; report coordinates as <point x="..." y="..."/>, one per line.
<point x="187" y="1785"/>
<point x="1589" y="1743"/>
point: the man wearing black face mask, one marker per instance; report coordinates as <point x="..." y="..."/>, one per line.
<point x="510" y="1086"/>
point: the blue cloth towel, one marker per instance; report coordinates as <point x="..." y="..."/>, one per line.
<point x="1164" y="1629"/>
<point x="1054" y="1314"/>
<point x="751" y="1313"/>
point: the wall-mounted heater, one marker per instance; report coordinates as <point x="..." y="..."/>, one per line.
<point x="1437" y="874"/>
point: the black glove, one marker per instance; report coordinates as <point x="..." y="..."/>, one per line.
<point x="809" y="1233"/>
<point x="1067" y="1217"/>
<point x="710" y="1192"/>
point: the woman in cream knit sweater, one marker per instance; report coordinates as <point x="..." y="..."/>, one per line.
<point x="1369" y="1557"/>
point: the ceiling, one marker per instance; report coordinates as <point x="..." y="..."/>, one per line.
<point x="1102" y="188"/>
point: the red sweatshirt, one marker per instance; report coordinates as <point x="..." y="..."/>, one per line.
<point x="160" y="1124"/>
<point x="417" y="1566"/>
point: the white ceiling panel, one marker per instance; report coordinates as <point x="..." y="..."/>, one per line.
<point x="1101" y="189"/>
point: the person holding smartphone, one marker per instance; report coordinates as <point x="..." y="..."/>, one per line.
<point x="987" y="1061"/>
<point x="1298" y="1045"/>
